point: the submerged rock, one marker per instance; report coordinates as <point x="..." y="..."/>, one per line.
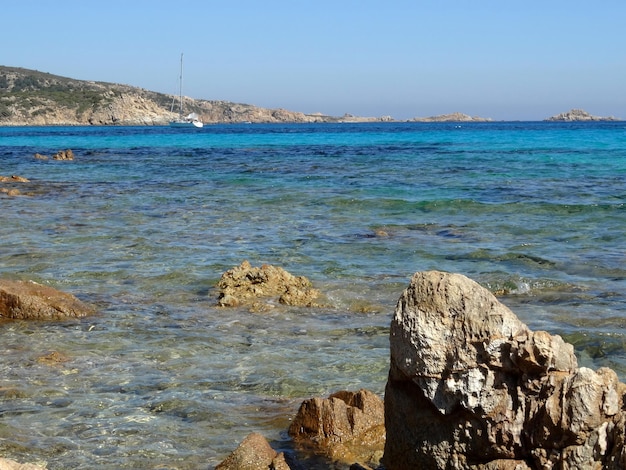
<point x="13" y="179"/>
<point x="29" y="300"/>
<point x="347" y="427"/>
<point x="245" y="284"/>
<point x="64" y="155"/>
<point x="471" y="387"/>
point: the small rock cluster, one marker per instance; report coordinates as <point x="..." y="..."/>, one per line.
<point x="60" y="155"/>
<point x="12" y="179"/>
<point x="347" y="428"/>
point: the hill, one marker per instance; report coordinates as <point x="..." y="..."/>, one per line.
<point x="30" y="97"/>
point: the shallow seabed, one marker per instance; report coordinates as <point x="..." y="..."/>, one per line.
<point x="145" y="220"/>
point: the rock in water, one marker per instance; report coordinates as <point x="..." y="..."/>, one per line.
<point x="246" y="284"/>
<point x="347" y="427"/>
<point x="471" y="387"/>
<point x="29" y="300"/>
<point x="254" y="453"/>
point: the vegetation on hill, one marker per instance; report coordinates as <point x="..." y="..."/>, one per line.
<point x="30" y="97"/>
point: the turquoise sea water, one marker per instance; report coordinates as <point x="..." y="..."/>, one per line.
<point x="145" y="220"/>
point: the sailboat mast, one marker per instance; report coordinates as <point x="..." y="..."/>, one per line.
<point x="180" y="89"/>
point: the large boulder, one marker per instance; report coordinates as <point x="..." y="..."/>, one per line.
<point x="245" y="285"/>
<point x="472" y="387"/>
<point x="22" y="300"/>
<point x="347" y="427"/>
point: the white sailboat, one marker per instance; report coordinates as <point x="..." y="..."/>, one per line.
<point x="191" y="120"/>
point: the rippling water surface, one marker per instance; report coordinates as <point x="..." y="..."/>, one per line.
<point x="145" y="220"/>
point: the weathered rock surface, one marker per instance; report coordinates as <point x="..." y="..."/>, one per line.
<point x="254" y="453"/>
<point x="245" y="285"/>
<point x="30" y="300"/>
<point x="347" y="427"/>
<point x="7" y="464"/>
<point x="471" y="387"/>
<point x="579" y="115"/>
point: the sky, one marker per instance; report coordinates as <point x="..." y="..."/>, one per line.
<point x="505" y="59"/>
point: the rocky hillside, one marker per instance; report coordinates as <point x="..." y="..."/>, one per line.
<point x="29" y="97"/>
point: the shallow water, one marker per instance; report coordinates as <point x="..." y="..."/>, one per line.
<point x="145" y="220"/>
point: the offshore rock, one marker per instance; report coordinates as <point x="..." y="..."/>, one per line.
<point x="245" y="284"/>
<point x="254" y="453"/>
<point x="471" y="387"/>
<point x="64" y="155"/>
<point x="452" y="117"/>
<point x="28" y="300"/>
<point x="579" y="115"/>
<point x="347" y="427"/>
<point x="12" y="179"/>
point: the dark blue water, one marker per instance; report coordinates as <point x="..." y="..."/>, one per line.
<point x="145" y="220"/>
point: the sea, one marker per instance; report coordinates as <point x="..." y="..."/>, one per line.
<point x="144" y="221"/>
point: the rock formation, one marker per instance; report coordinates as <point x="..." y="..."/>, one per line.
<point x="471" y="387"/>
<point x="579" y="115"/>
<point x="347" y="427"/>
<point x="452" y="117"/>
<point x="254" y="453"/>
<point x="12" y="179"/>
<point x="245" y="285"/>
<point x="28" y="300"/>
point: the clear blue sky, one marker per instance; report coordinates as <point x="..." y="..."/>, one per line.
<point x="506" y="60"/>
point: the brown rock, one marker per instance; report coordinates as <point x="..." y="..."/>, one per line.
<point x="347" y="427"/>
<point x="245" y="284"/>
<point x="11" y="192"/>
<point x="254" y="453"/>
<point x="64" y="155"/>
<point x="30" y="300"/>
<point x="13" y="179"/>
<point x="471" y="387"/>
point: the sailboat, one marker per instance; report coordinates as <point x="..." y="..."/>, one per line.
<point x="191" y="120"/>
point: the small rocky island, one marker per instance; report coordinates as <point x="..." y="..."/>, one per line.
<point x="579" y="115"/>
<point x="452" y="117"/>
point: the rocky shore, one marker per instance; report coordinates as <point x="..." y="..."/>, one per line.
<point x="470" y="386"/>
<point x="32" y="98"/>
